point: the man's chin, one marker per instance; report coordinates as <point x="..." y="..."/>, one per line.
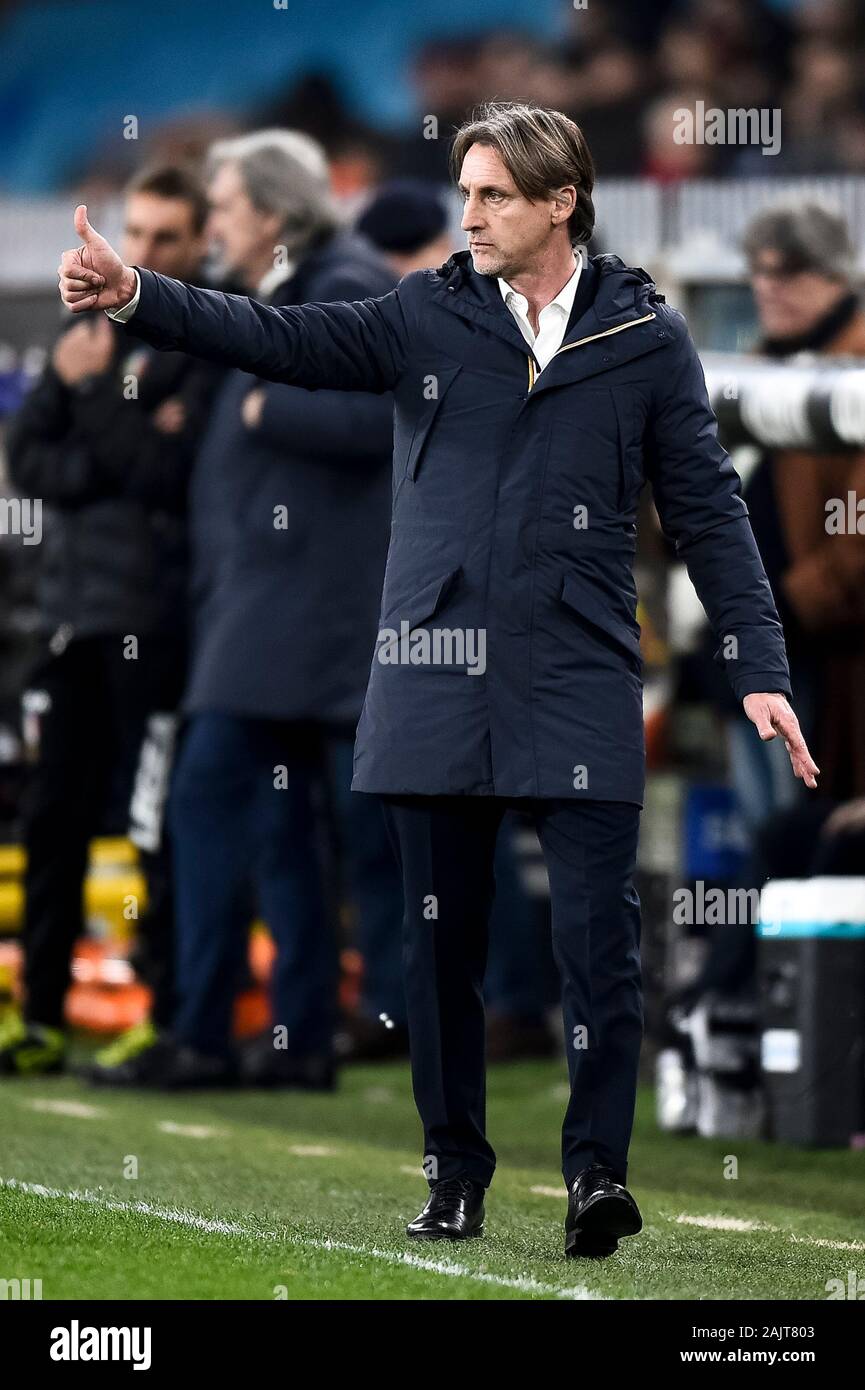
<point x="486" y="260"/>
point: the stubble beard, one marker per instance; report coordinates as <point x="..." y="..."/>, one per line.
<point x="493" y="265"/>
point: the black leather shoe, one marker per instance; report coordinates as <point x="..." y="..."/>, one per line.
<point x="186" y="1068"/>
<point x="600" y="1210"/>
<point x="455" y="1211"/>
<point x="261" y="1064"/>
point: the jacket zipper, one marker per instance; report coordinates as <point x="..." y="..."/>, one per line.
<point x="620" y="328"/>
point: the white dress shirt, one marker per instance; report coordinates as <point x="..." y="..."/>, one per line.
<point x="121" y="315"/>
<point x="552" y="320"/>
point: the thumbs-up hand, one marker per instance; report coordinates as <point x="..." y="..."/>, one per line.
<point x="93" y="275"/>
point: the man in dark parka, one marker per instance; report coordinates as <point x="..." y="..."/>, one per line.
<point x="535" y="392"/>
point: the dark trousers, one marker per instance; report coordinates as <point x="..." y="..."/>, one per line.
<point x="86" y="710"/>
<point x="519" y="981"/>
<point x="251" y="812"/>
<point x="446" y="848"/>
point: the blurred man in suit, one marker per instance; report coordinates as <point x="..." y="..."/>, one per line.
<point x="289" y="524"/>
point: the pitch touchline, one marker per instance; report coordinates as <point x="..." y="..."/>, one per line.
<point x="739" y="1224"/>
<point x="176" y="1216"/>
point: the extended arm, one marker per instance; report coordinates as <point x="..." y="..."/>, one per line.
<point x="345" y="347"/>
<point x="357" y="346"/>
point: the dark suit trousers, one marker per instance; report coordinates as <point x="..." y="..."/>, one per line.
<point x="446" y="847"/>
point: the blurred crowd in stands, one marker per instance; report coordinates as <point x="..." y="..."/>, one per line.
<point x="621" y="71"/>
<point x="162" y="522"/>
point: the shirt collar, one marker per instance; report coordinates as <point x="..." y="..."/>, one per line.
<point x="564" y="299"/>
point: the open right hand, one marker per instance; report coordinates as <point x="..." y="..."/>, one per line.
<point x="93" y="276"/>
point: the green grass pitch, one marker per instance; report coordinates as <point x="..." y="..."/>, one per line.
<point x="258" y="1195"/>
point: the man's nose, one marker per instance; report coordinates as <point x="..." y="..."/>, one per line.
<point x="471" y="216"/>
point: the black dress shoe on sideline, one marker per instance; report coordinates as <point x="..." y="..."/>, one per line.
<point x="188" y="1069"/>
<point x="261" y="1064"/>
<point x="455" y="1211"/>
<point x="600" y="1210"/>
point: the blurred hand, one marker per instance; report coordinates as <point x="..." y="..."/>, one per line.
<point x="86" y="350"/>
<point x="93" y="276"/>
<point x="170" y="416"/>
<point x="772" y="716"/>
<point x="846" y="819"/>
<point x="252" y="407"/>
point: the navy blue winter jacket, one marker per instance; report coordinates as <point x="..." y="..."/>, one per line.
<point x="508" y="660"/>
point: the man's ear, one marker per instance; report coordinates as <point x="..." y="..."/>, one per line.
<point x="565" y="202"/>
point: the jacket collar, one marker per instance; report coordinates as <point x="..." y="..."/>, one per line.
<point x="476" y="298"/>
<point x="609" y="294"/>
<point x="612" y="320"/>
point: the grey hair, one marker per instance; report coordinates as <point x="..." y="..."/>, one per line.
<point x="284" y="172"/>
<point x="807" y="235"/>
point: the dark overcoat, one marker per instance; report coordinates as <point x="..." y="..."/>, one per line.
<point x="514" y="518"/>
<point x="289" y="526"/>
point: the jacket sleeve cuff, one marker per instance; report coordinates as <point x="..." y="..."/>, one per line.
<point x="763" y="683"/>
<point x="123" y="315"/>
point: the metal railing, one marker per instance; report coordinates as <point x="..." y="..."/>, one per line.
<point x="640" y="220"/>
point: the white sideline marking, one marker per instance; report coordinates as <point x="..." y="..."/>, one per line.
<point x="190" y="1131"/>
<point x="77" y="1109"/>
<point x="737" y="1223"/>
<point x="724" y="1223"/>
<point x="214" y="1226"/>
<point x="312" y="1151"/>
<point x="414" y="1170"/>
<point x="733" y="1223"/>
<point x="829" y="1244"/>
